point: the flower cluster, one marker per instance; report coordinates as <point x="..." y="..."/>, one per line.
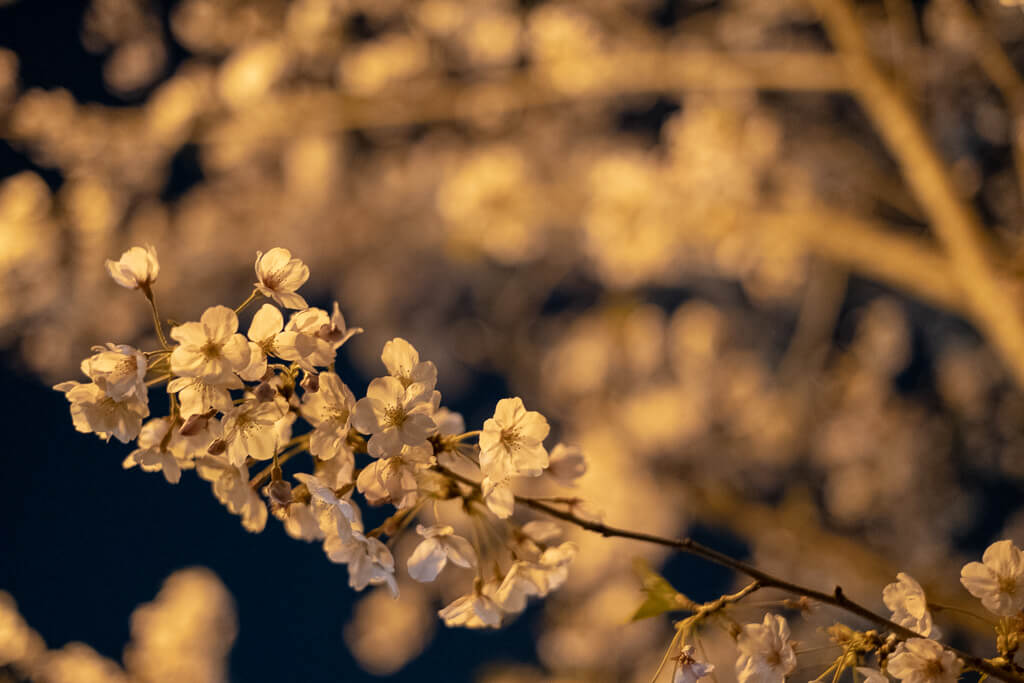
<point x="237" y="398"/>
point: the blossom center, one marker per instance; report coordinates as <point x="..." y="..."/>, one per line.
<point x="1008" y="585"/>
<point x="210" y="350"/>
<point x="510" y="439"/>
<point x="394" y="416"/>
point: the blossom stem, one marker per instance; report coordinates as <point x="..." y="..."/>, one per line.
<point x="467" y="435"/>
<point x="264" y="474"/>
<point x="687" y="545"/>
<point x="148" y="292"/>
<point x="252" y="297"/>
<point x="158" y="380"/>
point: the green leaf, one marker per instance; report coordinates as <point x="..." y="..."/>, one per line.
<point x="662" y="597"/>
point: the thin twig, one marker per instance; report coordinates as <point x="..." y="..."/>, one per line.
<point x="687" y="545"/>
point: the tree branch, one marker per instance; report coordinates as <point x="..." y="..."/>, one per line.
<point x="687" y="545"/>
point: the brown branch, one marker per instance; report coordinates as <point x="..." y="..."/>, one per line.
<point x="956" y="224"/>
<point x="614" y="74"/>
<point x="687" y="545"/>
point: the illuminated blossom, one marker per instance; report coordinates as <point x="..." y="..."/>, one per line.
<point x="871" y="675"/>
<point x="919" y="660"/>
<point x="137" y="267"/>
<point x="160" y="452"/>
<point x="393" y="415"/>
<point x="498" y="496"/>
<point x="439" y="545"/>
<point x="689" y="669"/>
<point x="232" y="489"/>
<point x="338" y="517"/>
<point x="909" y="607"/>
<point x="329" y="409"/>
<point x="369" y="561"/>
<point x="478" y="609"/>
<point x="210" y="349"/>
<point x="394" y="479"/>
<point x="512" y="441"/>
<point x="537" y="579"/>
<point x="266" y="325"/>
<point x="766" y="655"/>
<point x="403" y="363"/>
<point x="312" y="338"/>
<point x="998" y="580"/>
<point x="250" y="430"/>
<point x="93" y="411"/>
<point x="118" y="369"/>
<point x="195" y="396"/>
<point x="278" y="275"/>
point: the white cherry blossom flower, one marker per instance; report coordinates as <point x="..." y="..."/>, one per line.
<point x="93" y="411"/>
<point x="393" y="415"/>
<point x="403" y="363"/>
<point x="394" y="479"/>
<point x="766" y="655"/>
<point x="909" y="607"/>
<point x="232" y="489"/>
<point x="498" y="496"/>
<point x="137" y="268"/>
<point x="369" y="561"/>
<point x="337" y="517"/>
<point x="998" y="580"/>
<point x="511" y="443"/>
<point x="689" y="669"/>
<point x="535" y="579"/>
<point x="329" y="410"/>
<point x="439" y="545"/>
<point x="567" y="463"/>
<point x="196" y="396"/>
<point x="278" y="275"/>
<point x="210" y="349"/>
<point x="478" y="609"/>
<point x="160" y="452"/>
<point x="118" y="369"/>
<point x="919" y="660"/>
<point x="264" y="329"/>
<point x="250" y="429"/>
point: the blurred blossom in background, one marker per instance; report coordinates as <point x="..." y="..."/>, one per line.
<point x="776" y="301"/>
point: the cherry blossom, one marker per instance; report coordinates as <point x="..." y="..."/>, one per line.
<point x="278" y="275"/>
<point x="136" y="269"/>
<point x="250" y="430"/>
<point x="919" y="660"/>
<point x="909" y="607"/>
<point x="512" y="441"/>
<point x="766" y="655"/>
<point x="393" y="415"/>
<point x="477" y="609"/>
<point x="439" y="545"/>
<point x="231" y="487"/>
<point x="210" y="349"/>
<point x="118" y="369"/>
<point x="403" y="363"/>
<point x="329" y="409"/>
<point x="93" y="411"/>
<point x="689" y="669"/>
<point x="998" y="580"/>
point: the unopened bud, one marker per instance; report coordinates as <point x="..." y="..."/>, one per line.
<point x="264" y="392"/>
<point x="311" y="382"/>
<point x="194" y="424"/>
<point x="217" y="447"/>
<point x="279" y="492"/>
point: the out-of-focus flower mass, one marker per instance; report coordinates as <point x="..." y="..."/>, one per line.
<point x="756" y="267"/>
